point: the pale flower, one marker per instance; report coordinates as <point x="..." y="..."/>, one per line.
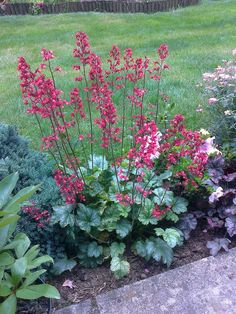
<point x="216" y="195"/>
<point x="228" y="112"/>
<point x="208" y="147"/>
<point x="199" y="109"/>
<point x="208" y="76"/>
<point x="234" y="52"/>
<point x="204" y="132"/>
<point x="212" y="101"/>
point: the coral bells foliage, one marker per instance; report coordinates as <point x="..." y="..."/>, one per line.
<point x="118" y="168"/>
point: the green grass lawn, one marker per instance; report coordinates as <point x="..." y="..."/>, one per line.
<point x="199" y="38"/>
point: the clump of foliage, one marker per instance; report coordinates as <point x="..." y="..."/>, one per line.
<point x="19" y="263"/>
<point x="33" y="168"/>
<point x="222" y="210"/>
<point x="220" y="88"/>
<point x="123" y="171"/>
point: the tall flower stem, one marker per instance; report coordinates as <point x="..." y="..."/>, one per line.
<point x="67" y="134"/>
<point x="123" y="115"/>
<point x="158" y="97"/>
<point x="90" y="115"/>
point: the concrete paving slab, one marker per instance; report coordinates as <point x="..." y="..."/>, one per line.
<point x="207" y="286"/>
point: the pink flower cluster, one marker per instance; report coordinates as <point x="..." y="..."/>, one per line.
<point x="147" y="146"/>
<point x="179" y="144"/>
<point x="40" y="216"/>
<point x="71" y="187"/>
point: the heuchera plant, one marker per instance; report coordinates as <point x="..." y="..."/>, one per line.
<point x="222" y="210"/>
<point x="122" y="169"/>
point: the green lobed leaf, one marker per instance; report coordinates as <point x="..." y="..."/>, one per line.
<point x="140" y="248"/>
<point x="37" y="291"/>
<point x="117" y="249"/>
<point x="154" y="248"/>
<point x="87" y="218"/>
<point x="95" y="188"/>
<point x="171" y="216"/>
<point x="7" y="185"/>
<point x="119" y="267"/>
<point x="123" y="227"/>
<point x="163" y="252"/>
<point x="170" y="235"/>
<point x="109" y="218"/>
<point x="180" y="205"/>
<point x="85" y="260"/>
<point x="62" y="265"/>
<point x="9" y="305"/>
<point x="163" y="196"/>
<point x="64" y="215"/>
<point x="145" y="216"/>
<point x="94" y="250"/>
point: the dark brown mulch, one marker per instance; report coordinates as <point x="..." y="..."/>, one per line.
<point x="88" y="283"/>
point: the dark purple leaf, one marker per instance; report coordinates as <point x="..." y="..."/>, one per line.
<point x="230" y="177"/>
<point x="186" y="224"/>
<point x="230" y="192"/>
<point x="216" y="245"/>
<point x="215" y="168"/>
<point x="230" y="210"/>
<point x="230" y="224"/>
<point x="215" y="222"/>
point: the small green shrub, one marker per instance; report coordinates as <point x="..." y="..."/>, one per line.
<point x="33" y="168"/>
<point x="220" y="88"/>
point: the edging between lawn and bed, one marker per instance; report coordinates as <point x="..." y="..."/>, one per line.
<point x="205" y="286"/>
<point x="127" y="6"/>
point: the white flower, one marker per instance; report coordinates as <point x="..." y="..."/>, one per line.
<point x="216" y="195"/>
<point x="208" y="147"/>
<point x="204" y="132"/>
<point x="228" y="112"/>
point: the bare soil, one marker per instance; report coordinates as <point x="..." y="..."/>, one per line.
<point x="87" y="283"/>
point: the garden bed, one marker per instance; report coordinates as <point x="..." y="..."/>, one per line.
<point x="154" y="182"/>
<point x="96" y="6"/>
<point x="88" y="283"/>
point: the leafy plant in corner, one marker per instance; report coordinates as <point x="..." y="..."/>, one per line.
<point x="33" y="167"/>
<point x="19" y="263"/>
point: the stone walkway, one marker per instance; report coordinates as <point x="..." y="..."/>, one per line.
<point x="207" y="286"/>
